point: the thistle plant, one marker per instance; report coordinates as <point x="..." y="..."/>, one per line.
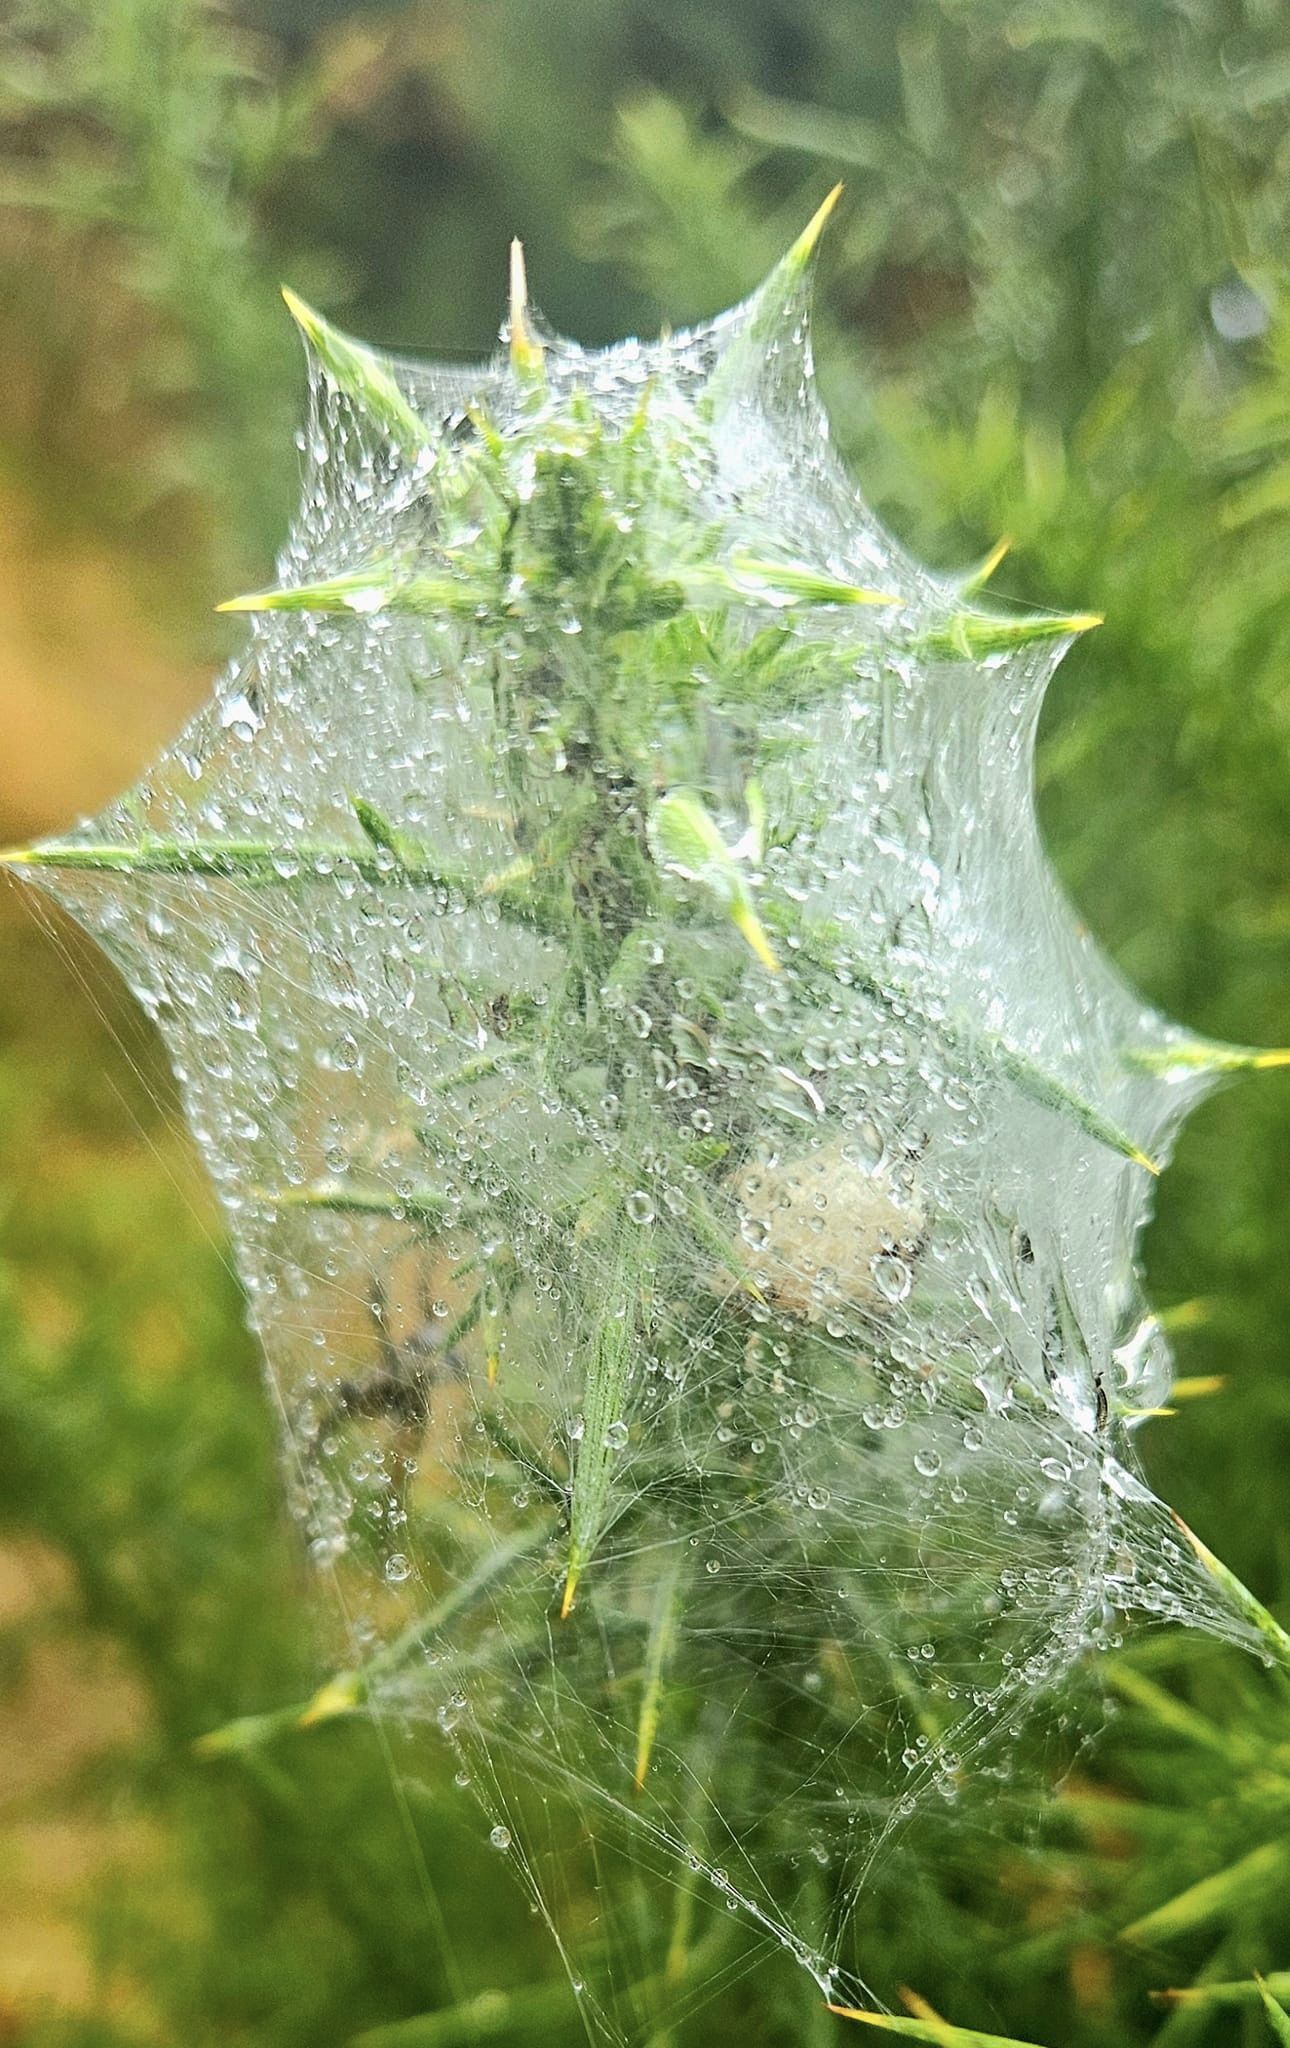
<point x="684" y="1157"/>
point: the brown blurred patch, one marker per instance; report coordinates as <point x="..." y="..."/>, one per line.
<point x="89" y="691"/>
<point x="68" y="1705"/>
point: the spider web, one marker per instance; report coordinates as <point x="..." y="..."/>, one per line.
<point x="685" y="1159"/>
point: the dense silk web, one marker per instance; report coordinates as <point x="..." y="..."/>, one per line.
<point x="685" y="1158"/>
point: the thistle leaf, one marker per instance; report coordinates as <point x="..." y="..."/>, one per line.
<point x="359" y="372"/>
<point x="684" y="837"/>
<point x="1205" y="1056"/>
<point x="972" y="636"/>
<point x="686" y="841"/>
<point x="793" y="583"/>
<point x="378" y="587"/>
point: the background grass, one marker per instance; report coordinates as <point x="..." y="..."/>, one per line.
<point x="1055" y="305"/>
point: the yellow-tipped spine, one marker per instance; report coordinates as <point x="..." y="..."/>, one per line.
<point x="359" y="372"/>
<point x="807" y="242"/>
<point x="527" y="358"/>
<point x="750" y="927"/>
<point x="977" y="578"/>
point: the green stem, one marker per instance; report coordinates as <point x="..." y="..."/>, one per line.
<point x="263" y="865"/>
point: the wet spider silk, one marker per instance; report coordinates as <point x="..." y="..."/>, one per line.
<point x="685" y="1160"/>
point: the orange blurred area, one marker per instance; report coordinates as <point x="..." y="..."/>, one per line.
<point x="89" y="688"/>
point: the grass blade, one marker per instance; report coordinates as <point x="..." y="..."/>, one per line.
<point x="230" y="860"/>
<point x="938" y="2032"/>
<point x="1278" y="2017"/>
<point x="1214" y="1897"/>
<point x="1240" y="1991"/>
<point x="375" y="587"/>
<point x="390" y="861"/>
<point x="348" y="1691"/>
<point x="533" y="2010"/>
<point x="1166" y="1710"/>
<point x="792" y="583"/>
<point x="1053" y="1094"/>
<point x="977" y="578"/>
<point x="1247" y="1606"/>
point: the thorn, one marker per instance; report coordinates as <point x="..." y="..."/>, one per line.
<point x="338" y="1696"/>
<point x="572" y="1576"/>
<point x="1247" y="1605"/>
<point x="804" y="247"/>
<point x="1207" y="1056"/>
<point x="985" y="570"/>
<point x="972" y="635"/>
<point x="750" y="927"/>
<point x="18" y="856"/>
<point x="310" y="323"/>
<point x="1144" y="1159"/>
<point x="1198" y="1386"/>
<point x="1185" y="1315"/>
<point x="773" y="313"/>
<point x="256" y="601"/>
<point x="915" y="2003"/>
<point x="526" y="349"/>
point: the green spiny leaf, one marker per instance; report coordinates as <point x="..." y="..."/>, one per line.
<point x="684" y="839"/>
<point x="359" y="372"/>
<point x="1205" y="1056"/>
<point x="971" y="636"/>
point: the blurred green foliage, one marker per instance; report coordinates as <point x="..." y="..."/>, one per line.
<point x="1056" y="306"/>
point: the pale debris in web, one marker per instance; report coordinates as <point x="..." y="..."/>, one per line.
<point x="684" y="1156"/>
